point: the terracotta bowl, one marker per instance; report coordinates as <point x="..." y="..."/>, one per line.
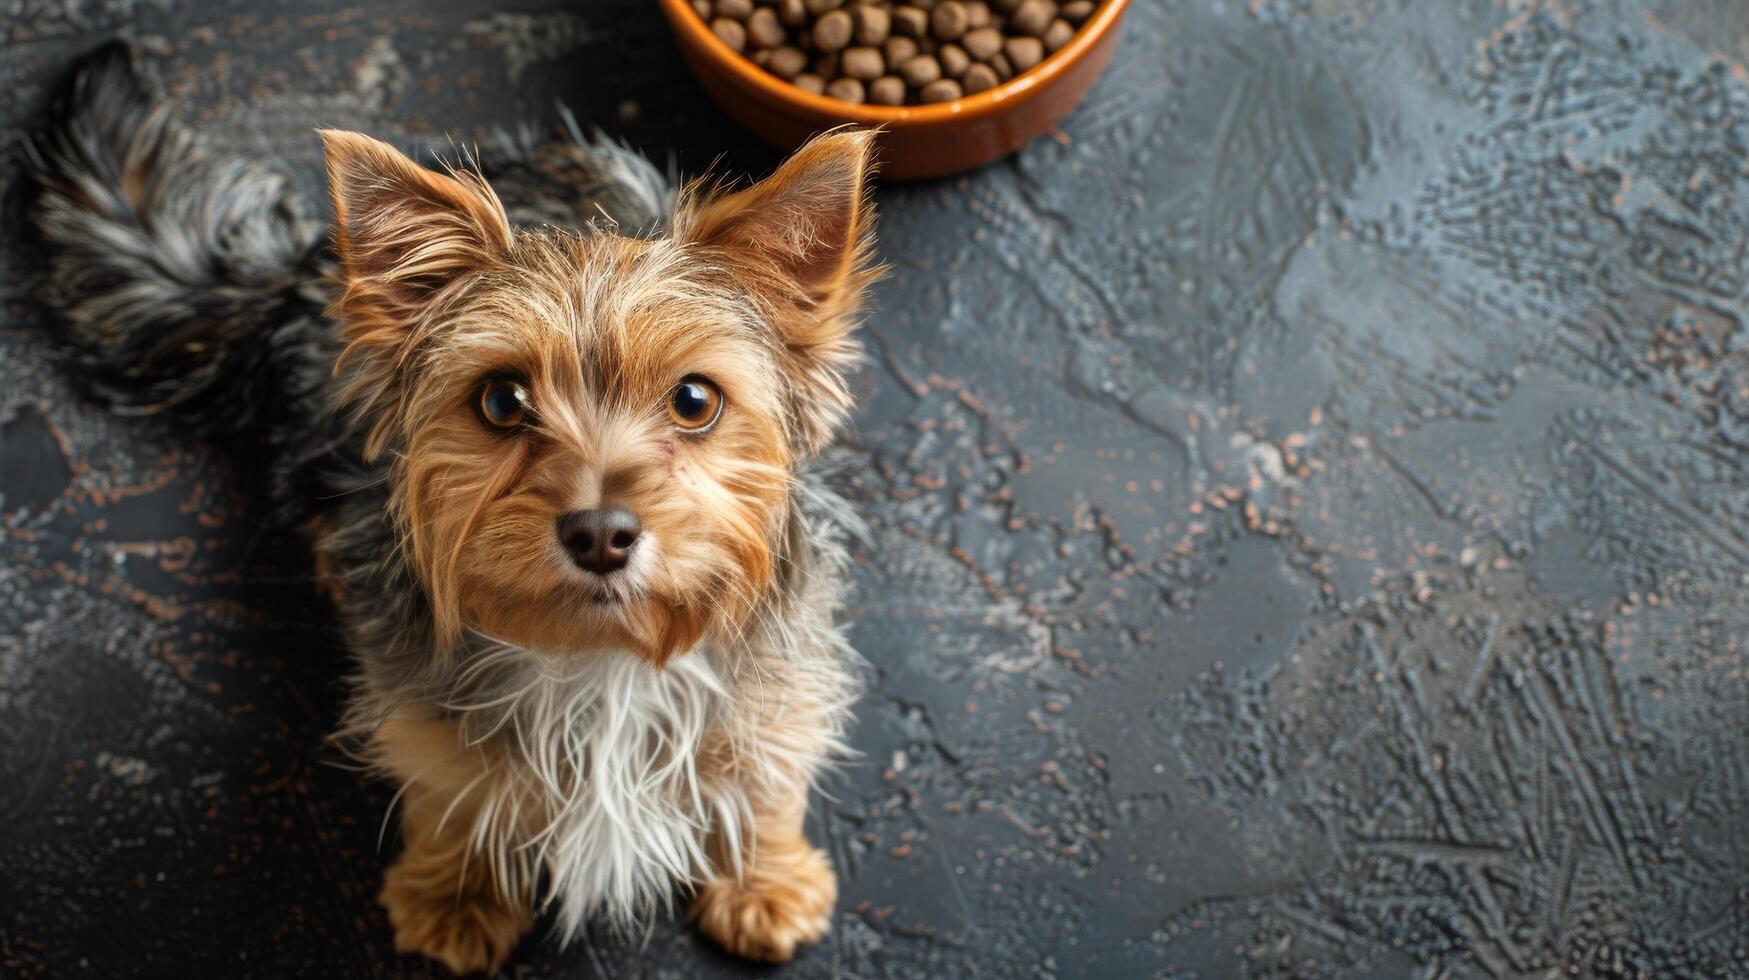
<point x="918" y="141"/>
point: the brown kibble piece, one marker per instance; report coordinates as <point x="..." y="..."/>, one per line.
<point x="793" y="13"/>
<point x="1058" y="34"/>
<point x="730" y="32"/>
<point x="1032" y="17"/>
<point x="1023" y="52"/>
<point x="940" y="90"/>
<point x="954" y="60"/>
<point x="832" y="32"/>
<point x="862" y="63"/>
<point x="818" y="7"/>
<point x="910" y="21"/>
<point x="735" y="9"/>
<point x="982" y="43"/>
<point x="977" y="15"/>
<point x="762" y="58"/>
<point x="787" y="61"/>
<point x="999" y="62"/>
<point x="921" y="70"/>
<point x="763" y="29"/>
<point x="809" y="83"/>
<point x="899" y="49"/>
<point x="873" y="23"/>
<point x="1077" y="13"/>
<point x="887" y="91"/>
<point x="978" y="78"/>
<point x="846" y="90"/>
<point x="703" y="9"/>
<point x="948" y="20"/>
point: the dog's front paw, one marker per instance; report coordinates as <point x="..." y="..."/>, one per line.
<point x="782" y="900"/>
<point x="469" y="933"/>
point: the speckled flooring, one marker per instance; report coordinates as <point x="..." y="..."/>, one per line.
<point x="1309" y="503"/>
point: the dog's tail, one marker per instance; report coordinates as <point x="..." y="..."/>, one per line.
<point x="189" y="284"/>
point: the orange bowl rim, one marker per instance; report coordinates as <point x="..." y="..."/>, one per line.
<point x="1104" y="19"/>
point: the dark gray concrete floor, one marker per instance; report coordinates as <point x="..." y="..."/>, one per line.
<point x="1309" y="504"/>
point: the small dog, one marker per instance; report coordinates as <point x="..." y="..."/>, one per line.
<point x="563" y="486"/>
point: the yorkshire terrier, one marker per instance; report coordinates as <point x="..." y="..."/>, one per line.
<point x="563" y="485"/>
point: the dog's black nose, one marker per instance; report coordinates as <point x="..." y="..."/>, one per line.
<point x="600" y="540"/>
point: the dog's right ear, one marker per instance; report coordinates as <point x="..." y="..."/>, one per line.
<point x="406" y="235"/>
<point x="404" y="230"/>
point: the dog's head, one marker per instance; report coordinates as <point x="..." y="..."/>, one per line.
<point x="593" y="436"/>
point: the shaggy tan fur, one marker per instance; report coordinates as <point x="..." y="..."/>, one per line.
<point x="443" y="900"/>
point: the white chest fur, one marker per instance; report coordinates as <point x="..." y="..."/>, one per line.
<point x="601" y="776"/>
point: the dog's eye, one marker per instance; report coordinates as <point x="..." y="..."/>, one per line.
<point x="503" y="403"/>
<point x="694" y="404"/>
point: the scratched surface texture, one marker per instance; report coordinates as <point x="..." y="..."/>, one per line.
<point x="1310" y="505"/>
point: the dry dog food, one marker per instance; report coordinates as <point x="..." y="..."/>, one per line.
<point x="910" y="53"/>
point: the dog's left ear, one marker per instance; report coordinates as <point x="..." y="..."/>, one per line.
<point x="801" y="242"/>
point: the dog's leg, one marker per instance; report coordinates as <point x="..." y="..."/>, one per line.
<point x="445" y="899"/>
<point x="783" y="896"/>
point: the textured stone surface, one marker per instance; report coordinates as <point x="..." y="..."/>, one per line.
<point x="1309" y="503"/>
